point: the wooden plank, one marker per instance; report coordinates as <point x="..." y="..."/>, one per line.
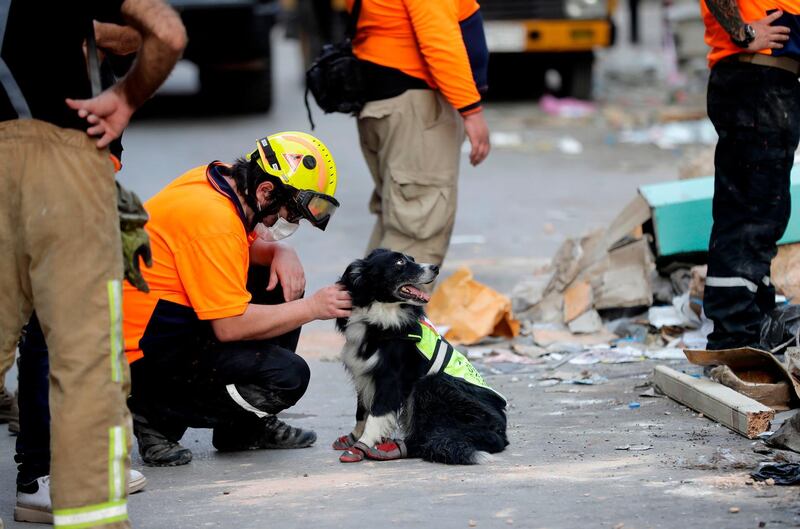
<point x="722" y="404"/>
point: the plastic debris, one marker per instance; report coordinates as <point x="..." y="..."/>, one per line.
<point x="783" y="473"/>
<point x="569" y="145"/>
<point x="608" y="355"/>
<point x="634" y="448"/>
<point x="587" y="379"/>
<point x="634" y="405"/>
<point x="566" y="107"/>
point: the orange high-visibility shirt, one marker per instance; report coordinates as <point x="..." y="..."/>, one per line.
<point x="751" y="10"/>
<point x="201" y="253"/>
<point x="421" y="38"/>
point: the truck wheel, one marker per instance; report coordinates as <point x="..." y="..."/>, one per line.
<point x="237" y="90"/>
<point x="576" y="76"/>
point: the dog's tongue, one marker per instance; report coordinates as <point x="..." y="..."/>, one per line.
<point x="418" y="293"/>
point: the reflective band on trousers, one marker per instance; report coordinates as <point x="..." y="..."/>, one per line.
<point x="733" y="282"/>
<point x="114" y="288"/>
<point x="84" y="517"/>
<point x="238" y="399"/>
<point x="117" y="454"/>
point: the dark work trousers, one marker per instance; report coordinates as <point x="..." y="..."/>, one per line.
<point x="213" y="384"/>
<point x="756" y="111"/>
<point x="33" y="442"/>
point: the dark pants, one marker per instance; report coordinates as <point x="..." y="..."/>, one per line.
<point x="756" y="111"/>
<point x="33" y="442"/>
<point x="211" y="384"/>
<point x="266" y="372"/>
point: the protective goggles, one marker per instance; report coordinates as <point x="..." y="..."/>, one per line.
<point x="315" y="207"/>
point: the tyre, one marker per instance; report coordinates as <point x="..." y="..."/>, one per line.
<point x="576" y="75"/>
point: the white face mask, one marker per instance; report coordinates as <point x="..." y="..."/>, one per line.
<point x="280" y="230"/>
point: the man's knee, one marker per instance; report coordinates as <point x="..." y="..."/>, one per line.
<point x="296" y="380"/>
<point x="282" y="388"/>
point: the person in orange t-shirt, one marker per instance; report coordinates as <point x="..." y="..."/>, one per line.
<point x="754" y="103"/>
<point x="212" y="345"/>
<point x="421" y="99"/>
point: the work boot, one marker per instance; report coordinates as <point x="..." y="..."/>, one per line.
<point x="269" y="432"/>
<point x="9" y="412"/>
<point x="155" y="448"/>
<point x="278" y="434"/>
<point x="33" y="499"/>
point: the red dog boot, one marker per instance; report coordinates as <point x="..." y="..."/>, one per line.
<point x="387" y="450"/>
<point x="344" y="442"/>
<point x="354" y="454"/>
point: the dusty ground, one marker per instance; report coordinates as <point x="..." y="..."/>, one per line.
<point x="562" y="469"/>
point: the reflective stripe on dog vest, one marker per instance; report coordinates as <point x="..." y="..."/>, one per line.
<point x="444" y="358"/>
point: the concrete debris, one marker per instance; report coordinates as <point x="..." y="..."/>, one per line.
<point x="788" y="436"/>
<point x="587" y="323"/>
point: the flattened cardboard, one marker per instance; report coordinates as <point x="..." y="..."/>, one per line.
<point x="750" y="365"/>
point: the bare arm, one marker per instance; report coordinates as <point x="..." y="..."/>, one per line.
<point x="260" y="322"/>
<point x="767" y="36"/>
<point x="284" y="267"/>
<point x="163" y="41"/>
<point x="116" y="39"/>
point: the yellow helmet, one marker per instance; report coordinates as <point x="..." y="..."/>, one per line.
<point x="300" y="160"/>
<point x="305" y="165"/>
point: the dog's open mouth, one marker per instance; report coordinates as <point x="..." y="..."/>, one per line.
<point x="412" y="293"/>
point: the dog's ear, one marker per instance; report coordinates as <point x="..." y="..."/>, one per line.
<point x="352" y="277"/>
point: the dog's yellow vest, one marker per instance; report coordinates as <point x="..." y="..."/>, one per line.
<point x="444" y="358"/>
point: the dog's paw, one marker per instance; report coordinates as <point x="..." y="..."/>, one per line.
<point x="344" y="442"/>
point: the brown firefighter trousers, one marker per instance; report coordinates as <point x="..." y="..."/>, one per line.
<point x="412" y="145"/>
<point x="60" y="254"/>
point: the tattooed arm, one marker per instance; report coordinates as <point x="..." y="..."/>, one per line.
<point x="727" y="14"/>
<point x="767" y="36"/>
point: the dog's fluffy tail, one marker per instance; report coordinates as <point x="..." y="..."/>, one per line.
<point x="452" y="452"/>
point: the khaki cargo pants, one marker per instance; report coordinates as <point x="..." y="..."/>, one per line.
<point x="60" y="255"/>
<point x="412" y="145"/>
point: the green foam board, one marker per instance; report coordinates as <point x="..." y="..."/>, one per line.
<point x="681" y="214"/>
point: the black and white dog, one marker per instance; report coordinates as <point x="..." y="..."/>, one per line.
<point x="407" y="377"/>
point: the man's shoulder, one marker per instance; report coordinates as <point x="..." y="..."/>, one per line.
<point x="189" y="207"/>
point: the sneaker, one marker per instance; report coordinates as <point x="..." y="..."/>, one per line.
<point x="33" y="499"/>
<point x="278" y="434"/>
<point x="269" y="432"/>
<point x="156" y="450"/>
<point x="9" y="412"/>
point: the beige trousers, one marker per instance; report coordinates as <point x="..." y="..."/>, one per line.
<point x="412" y="145"/>
<point x="61" y="255"/>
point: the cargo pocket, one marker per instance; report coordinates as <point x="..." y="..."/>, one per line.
<point x="418" y="205"/>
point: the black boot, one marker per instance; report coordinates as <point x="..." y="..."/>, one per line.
<point x="155" y="448"/>
<point x="269" y="432"/>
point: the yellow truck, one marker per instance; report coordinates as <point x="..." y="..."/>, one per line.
<point x="528" y="37"/>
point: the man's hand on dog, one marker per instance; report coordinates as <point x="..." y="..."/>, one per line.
<point x="331" y="302"/>
<point x="287" y="270"/>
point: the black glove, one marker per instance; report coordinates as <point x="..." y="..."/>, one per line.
<point x="135" y="241"/>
